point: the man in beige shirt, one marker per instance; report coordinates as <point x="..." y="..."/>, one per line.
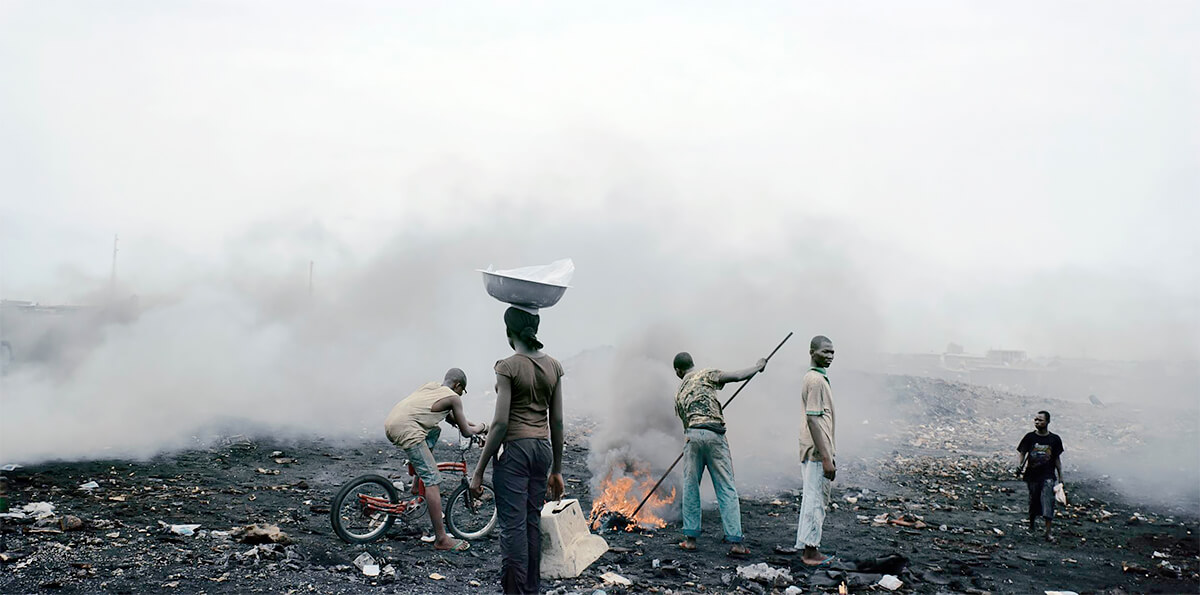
<point x="816" y="452"/>
<point x="413" y="426"/>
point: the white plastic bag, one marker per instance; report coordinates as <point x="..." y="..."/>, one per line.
<point x="1060" y="493"/>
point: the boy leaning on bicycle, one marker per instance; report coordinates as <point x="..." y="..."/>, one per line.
<point x="413" y="426"/>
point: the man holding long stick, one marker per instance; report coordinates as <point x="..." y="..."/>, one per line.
<point x="704" y="428"/>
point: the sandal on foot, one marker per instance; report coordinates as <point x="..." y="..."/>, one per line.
<point x="688" y="544"/>
<point x="459" y="546"/>
<point x="822" y="564"/>
<point x="739" y="551"/>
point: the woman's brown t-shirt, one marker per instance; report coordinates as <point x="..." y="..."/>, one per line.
<point x="533" y="380"/>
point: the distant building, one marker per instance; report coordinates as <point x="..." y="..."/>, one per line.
<point x="1006" y="357"/>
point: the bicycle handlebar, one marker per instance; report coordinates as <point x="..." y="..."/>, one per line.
<point x="465" y="445"/>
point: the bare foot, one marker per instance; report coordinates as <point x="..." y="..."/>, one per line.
<point x="688" y="543"/>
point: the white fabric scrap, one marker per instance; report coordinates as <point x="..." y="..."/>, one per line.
<point x="38" y="510"/>
<point x="763" y="571"/>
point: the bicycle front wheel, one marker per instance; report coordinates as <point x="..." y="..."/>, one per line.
<point x="354" y="511"/>
<point x="468" y="517"/>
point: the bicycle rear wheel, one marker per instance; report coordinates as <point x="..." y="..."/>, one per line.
<point x="354" y="517"/>
<point x="474" y="518"/>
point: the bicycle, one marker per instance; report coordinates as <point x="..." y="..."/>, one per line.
<point x="367" y="506"/>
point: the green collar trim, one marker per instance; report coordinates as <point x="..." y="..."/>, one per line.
<point x="821" y="370"/>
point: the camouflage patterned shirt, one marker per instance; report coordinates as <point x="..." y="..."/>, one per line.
<point x="696" y="400"/>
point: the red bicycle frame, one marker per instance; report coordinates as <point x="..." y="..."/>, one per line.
<point x="418" y="490"/>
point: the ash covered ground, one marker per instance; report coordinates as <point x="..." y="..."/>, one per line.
<point x="941" y="493"/>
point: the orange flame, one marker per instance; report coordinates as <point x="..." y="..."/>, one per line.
<point x="622" y="490"/>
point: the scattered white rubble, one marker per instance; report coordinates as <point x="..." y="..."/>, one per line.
<point x="612" y="578"/>
<point x="1165" y="565"/>
<point x="890" y="582"/>
<point x="89" y="486"/>
<point x="367" y="564"/>
<point x="187" y="529"/>
<point x="38" y="510"/>
<point x="763" y="572"/>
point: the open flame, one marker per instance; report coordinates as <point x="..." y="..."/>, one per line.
<point x="620" y="492"/>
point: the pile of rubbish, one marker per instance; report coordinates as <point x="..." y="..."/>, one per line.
<point x="942" y="511"/>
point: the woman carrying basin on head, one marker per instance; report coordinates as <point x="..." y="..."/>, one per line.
<point x="527" y="430"/>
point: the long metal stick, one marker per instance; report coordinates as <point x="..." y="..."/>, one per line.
<point x="680" y="457"/>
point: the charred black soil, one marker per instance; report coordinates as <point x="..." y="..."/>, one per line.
<point x="954" y="511"/>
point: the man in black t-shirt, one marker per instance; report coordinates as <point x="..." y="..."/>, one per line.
<point x="1041" y="463"/>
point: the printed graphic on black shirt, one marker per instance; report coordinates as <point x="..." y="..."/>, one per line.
<point x="1040" y="455"/>
<point x="1043" y="452"/>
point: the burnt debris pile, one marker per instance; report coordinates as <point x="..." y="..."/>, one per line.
<point x="251" y="514"/>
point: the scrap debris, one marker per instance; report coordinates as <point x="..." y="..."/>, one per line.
<point x="958" y="513"/>
<point x="612" y="578"/>
<point x="261" y="533"/>
<point x="766" y="574"/>
<point x="367" y="564"/>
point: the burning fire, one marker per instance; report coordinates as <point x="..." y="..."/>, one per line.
<point x="622" y="490"/>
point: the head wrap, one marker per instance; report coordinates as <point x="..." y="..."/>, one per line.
<point x="524" y="325"/>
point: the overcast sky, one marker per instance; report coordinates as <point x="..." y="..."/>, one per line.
<point x="1018" y="175"/>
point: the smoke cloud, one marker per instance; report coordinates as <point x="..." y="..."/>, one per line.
<point x="796" y="169"/>
<point x="248" y="340"/>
